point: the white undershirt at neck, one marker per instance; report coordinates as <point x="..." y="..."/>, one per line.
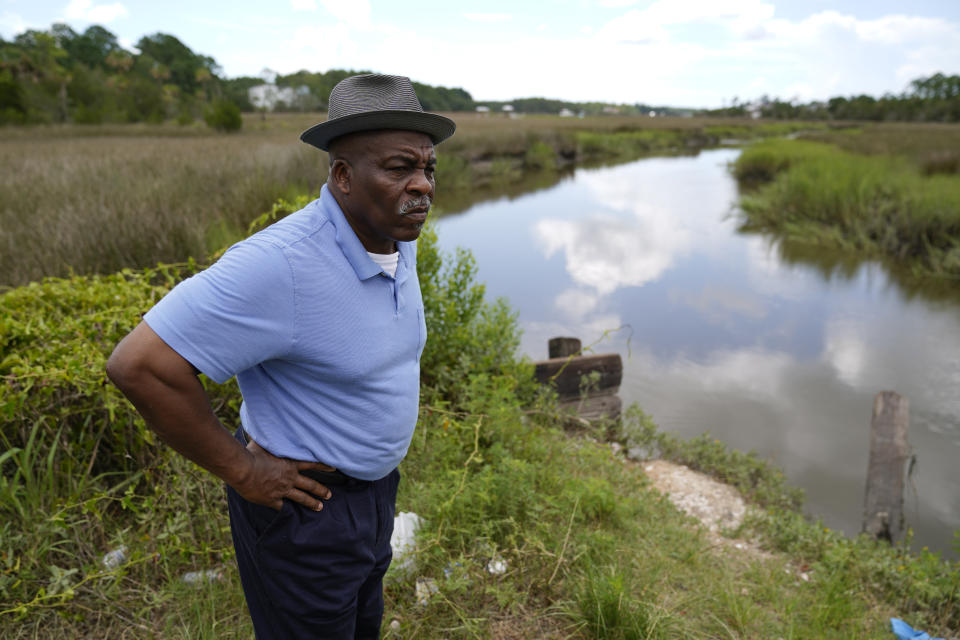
<point x="386" y="261"/>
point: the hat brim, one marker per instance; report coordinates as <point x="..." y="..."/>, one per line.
<point x="438" y="127"/>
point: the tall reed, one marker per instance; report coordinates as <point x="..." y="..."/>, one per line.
<point x="879" y="205"/>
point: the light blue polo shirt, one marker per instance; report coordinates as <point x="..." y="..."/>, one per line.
<point x="325" y="345"/>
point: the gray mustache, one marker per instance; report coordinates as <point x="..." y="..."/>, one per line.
<point x="422" y="201"/>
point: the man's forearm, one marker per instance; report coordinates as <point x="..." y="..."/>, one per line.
<point x="166" y="392"/>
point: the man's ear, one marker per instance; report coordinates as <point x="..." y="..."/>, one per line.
<point x="341" y="172"/>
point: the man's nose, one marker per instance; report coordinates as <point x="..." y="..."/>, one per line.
<point x="419" y="183"/>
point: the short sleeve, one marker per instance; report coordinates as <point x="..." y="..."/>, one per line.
<point x="232" y="316"/>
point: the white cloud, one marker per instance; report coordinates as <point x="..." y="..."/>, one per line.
<point x="576" y="303"/>
<point x="633" y="27"/>
<point x="487" y="17"/>
<point x="303" y="5"/>
<point x="898" y="29"/>
<point x="679" y="52"/>
<point x="89" y="12"/>
<point x="77" y="9"/>
<point x="735" y="12"/>
<point x="608" y="253"/>
<point x="12" y="24"/>
<point x="354" y="12"/>
<point x="311" y="43"/>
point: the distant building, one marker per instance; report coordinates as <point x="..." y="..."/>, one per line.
<point x="566" y="113"/>
<point x="268" y="96"/>
<point x="611" y="109"/>
<point x="484" y="109"/>
<point x="508" y="108"/>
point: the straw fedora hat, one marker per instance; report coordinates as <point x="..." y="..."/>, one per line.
<point x="375" y="101"/>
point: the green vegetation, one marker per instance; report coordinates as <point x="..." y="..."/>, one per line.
<point x="99" y="198"/>
<point x="880" y="206"/>
<point x="935" y="98"/>
<point x="60" y="76"/>
<point x="588" y="549"/>
<point x="223" y="116"/>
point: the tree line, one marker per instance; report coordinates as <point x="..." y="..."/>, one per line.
<point x="60" y="75"/>
<point x="935" y="98"/>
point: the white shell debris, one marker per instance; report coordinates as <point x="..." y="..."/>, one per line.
<point x="425" y="588"/>
<point x="497" y="566"/>
<point x="717" y="505"/>
<point x="208" y="575"/>
<point x="115" y="558"/>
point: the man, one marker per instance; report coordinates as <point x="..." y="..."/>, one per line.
<point x="320" y="318"/>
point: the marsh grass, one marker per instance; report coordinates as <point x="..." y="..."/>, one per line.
<point x="99" y="198"/>
<point x="932" y="147"/>
<point x="99" y="204"/>
<point x="877" y="205"/>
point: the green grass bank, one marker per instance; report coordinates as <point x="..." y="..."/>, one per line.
<point x="589" y="550"/>
<point x="899" y="204"/>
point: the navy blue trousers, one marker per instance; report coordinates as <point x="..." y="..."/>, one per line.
<point x="316" y="574"/>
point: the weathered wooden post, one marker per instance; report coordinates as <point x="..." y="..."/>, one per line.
<point x="883" y="506"/>
<point x="566" y="369"/>
<point x="562" y="347"/>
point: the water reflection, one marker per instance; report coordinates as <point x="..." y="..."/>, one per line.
<point x="607" y="253"/>
<point x="833" y="265"/>
<point x="769" y="349"/>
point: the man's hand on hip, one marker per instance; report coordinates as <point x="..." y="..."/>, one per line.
<point x="271" y="479"/>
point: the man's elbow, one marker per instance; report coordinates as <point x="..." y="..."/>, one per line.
<point x="121" y="367"/>
<point x="128" y="365"/>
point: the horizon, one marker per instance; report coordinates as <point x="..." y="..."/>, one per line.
<point x="705" y="53"/>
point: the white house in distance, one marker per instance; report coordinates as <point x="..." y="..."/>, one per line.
<point x="268" y="95"/>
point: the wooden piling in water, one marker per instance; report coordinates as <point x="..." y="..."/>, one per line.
<point x="566" y="371"/>
<point x="889" y="450"/>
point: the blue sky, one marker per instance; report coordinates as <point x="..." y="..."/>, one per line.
<point x="698" y="53"/>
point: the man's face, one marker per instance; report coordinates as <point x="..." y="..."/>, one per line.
<point x="391" y="187"/>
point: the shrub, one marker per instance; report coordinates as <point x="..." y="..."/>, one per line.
<point x="224" y="116"/>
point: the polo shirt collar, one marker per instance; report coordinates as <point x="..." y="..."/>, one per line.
<point x="353" y="249"/>
<point x="347" y="238"/>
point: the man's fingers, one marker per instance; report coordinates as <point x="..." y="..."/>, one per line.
<point x="305" y="499"/>
<point x="312" y="486"/>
